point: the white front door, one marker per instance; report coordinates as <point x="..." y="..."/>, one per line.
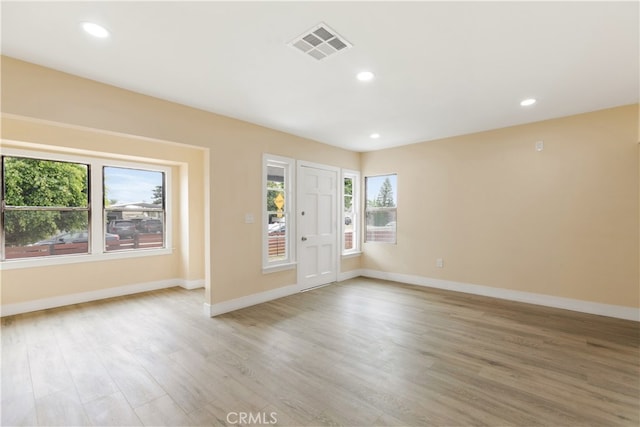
<point x="317" y="226"/>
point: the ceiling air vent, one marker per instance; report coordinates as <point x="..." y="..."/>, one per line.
<point x="320" y="42"/>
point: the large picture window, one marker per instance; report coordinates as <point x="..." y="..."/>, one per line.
<point x="381" y="210"/>
<point x="277" y="207"/>
<point x="55" y="205"/>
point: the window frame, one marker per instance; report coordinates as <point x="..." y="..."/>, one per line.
<point x="289" y="211"/>
<point x="97" y="226"/>
<point x="162" y="209"/>
<point x="355" y="220"/>
<point x="368" y="209"/>
<point x="10" y="208"/>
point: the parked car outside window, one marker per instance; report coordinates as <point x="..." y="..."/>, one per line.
<point x="150" y="226"/>
<point x="72" y="237"/>
<point x="122" y="227"/>
<point x="277" y="227"/>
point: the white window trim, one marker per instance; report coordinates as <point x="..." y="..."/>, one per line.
<point x="355" y="202"/>
<point x="289" y="211"/>
<point x="96" y="162"/>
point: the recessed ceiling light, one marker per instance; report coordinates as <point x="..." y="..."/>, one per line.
<point x="95" y="30"/>
<point x="374" y="136"/>
<point x="527" y="102"/>
<point x="365" y="76"/>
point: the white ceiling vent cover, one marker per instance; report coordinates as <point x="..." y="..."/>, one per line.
<point x="320" y="42"/>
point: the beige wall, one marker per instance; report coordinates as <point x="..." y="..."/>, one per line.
<point x="231" y="157"/>
<point x="561" y="222"/>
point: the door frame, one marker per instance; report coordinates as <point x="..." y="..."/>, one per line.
<point x="299" y="165"/>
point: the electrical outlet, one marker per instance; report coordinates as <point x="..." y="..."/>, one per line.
<point x="440" y="263"/>
<point x="249" y="219"/>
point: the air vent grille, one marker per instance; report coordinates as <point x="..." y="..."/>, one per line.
<point x="320" y="42"/>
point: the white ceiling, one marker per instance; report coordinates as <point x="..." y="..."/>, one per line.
<point x="442" y="68"/>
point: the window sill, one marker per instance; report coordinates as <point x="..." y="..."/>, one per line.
<point x="80" y="258"/>
<point x="279" y="267"/>
<point x="351" y="254"/>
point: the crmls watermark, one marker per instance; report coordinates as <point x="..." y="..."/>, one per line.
<point x="252" y="418"/>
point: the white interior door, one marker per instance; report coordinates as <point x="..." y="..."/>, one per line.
<point x="317" y="226"/>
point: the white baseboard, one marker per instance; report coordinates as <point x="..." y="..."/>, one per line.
<point x="212" y="310"/>
<point x="346" y="275"/>
<point x="192" y="284"/>
<point x="617" y="311"/>
<point x="60" y="301"/>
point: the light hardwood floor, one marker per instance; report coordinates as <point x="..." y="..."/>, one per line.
<point x="361" y="353"/>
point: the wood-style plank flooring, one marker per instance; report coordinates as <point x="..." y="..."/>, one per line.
<point x="359" y="353"/>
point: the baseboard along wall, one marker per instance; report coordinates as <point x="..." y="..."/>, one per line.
<point x="211" y="310"/>
<point x="77" y="298"/>
<point x="617" y="311"/>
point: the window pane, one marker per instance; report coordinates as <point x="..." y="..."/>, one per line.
<point x="348" y="186"/>
<point x="348" y="236"/>
<point x="277" y="237"/>
<point x="381" y="191"/>
<point x="132" y="229"/>
<point x="275" y="189"/>
<point x="45" y="183"/>
<point x="349" y="222"/>
<point x="275" y="201"/>
<point x="275" y="174"/>
<point x="45" y="233"/>
<point x="124" y="187"/>
<point x="134" y="209"/>
<point x="381" y="226"/>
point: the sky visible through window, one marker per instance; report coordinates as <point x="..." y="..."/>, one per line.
<point x="131" y="185"/>
<point x="375" y="182"/>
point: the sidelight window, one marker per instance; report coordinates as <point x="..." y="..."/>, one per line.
<point x="351" y="212"/>
<point x="278" y="224"/>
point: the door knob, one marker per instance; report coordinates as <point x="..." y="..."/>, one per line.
<point x="304" y="239"/>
